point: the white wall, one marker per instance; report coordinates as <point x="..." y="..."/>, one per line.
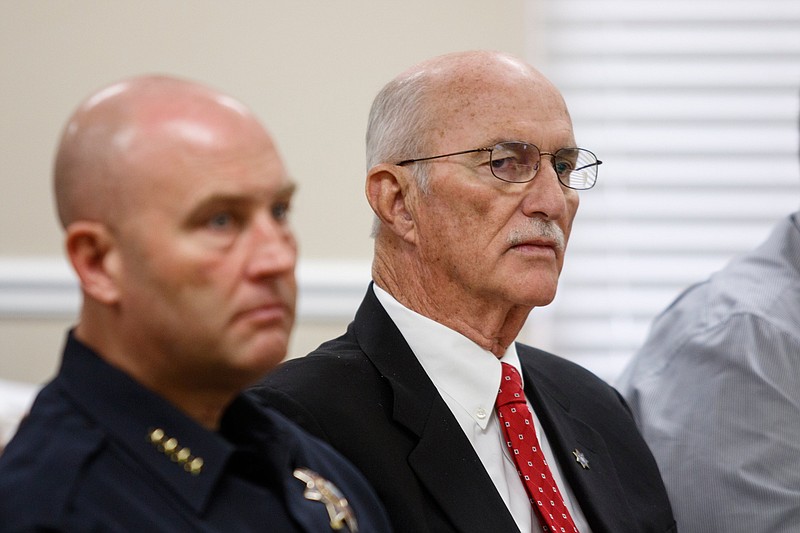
<point x="309" y="69"/>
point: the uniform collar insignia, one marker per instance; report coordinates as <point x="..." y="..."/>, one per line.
<point x="178" y="454"/>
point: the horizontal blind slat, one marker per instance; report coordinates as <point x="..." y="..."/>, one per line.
<point x="681" y="11"/>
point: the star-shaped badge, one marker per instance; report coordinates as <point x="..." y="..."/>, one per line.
<point x="580" y="458"/>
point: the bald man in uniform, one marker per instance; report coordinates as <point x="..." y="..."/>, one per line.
<point x="174" y="202"/>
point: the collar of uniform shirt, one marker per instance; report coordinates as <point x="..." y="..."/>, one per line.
<point x="457" y="366"/>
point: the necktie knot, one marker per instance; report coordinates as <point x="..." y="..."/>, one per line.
<point x="510" y="387"/>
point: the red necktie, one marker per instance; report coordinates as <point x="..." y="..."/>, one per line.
<point x="517" y="424"/>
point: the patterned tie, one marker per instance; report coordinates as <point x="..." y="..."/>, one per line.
<point x="517" y="424"/>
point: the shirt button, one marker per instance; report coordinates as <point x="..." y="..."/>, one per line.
<point x="481" y="413"/>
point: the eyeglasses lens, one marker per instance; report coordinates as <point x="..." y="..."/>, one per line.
<point x="515" y="161"/>
<point x="576" y="168"/>
<point x="518" y="162"/>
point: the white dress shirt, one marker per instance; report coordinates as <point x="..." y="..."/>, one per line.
<point x="468" y="378"/>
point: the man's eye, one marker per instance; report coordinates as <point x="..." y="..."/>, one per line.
<point x="563" y="167"/>
<point x="502" y="163"/>
<point x="221" y="221"/>
<point x="280" y="211"/>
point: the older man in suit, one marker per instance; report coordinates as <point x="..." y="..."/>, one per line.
<point x="474" y="177"/>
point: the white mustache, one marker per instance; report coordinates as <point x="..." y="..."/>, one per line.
<point x="538" y="229"/>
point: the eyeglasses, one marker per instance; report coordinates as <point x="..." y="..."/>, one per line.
<point x="518" y="162"/>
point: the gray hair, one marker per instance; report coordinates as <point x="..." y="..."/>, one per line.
<point x="400" y="122"/>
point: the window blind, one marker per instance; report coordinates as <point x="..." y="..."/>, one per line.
<point x="693" y="108"/>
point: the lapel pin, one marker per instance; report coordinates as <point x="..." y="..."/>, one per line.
<point x="319" y="489"/>
<point x="580" y="458"/>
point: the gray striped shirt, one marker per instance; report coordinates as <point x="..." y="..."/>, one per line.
<point x="716" y="392"/>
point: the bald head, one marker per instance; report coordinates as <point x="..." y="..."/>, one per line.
<point x="124" y="127"/>
<point x="175" y="205"/>
<point x="417" y="106"/>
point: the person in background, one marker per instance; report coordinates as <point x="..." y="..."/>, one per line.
<point x="175" y="203"/>
<point x="715" y="390"/>
<point x="474" y="176"/>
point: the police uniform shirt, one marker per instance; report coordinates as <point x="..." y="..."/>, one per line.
<point x="99" y="452"/>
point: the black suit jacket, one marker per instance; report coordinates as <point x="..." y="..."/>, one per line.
<point x="366" y="393"/>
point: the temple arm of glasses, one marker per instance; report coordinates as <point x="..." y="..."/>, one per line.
<point x="595" y="164"/>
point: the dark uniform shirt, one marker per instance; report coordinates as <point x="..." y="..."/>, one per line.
<point x="99" y="452"/>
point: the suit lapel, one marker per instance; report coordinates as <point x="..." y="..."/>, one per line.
<point x="597" y="488"/>
<point x="443" y="459"/>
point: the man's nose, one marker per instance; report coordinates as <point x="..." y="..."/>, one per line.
<point x="273" y="249"/>
<point x="544" y="195"/>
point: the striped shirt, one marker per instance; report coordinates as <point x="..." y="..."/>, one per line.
<point x="716" y="392"/>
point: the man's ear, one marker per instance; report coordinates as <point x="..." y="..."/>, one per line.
<point x="93" y="253"/>
<point x="388" y="190"/>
